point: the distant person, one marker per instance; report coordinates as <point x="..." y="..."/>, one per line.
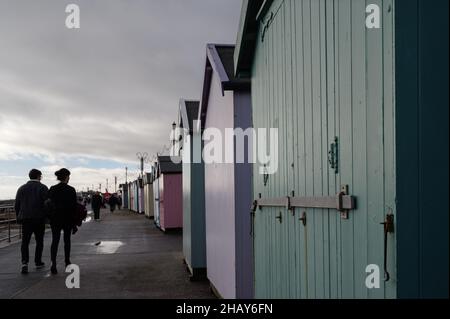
<point x="103" y="202"/>
<point x="30" y="212"/>
<point x="97" y="203"/>
<point x="119" y="202"/>
<point x="64" y="200"/>
<point x="113" y="203"/>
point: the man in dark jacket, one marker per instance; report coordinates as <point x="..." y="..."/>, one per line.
<point x="30" y="213"/>
<point x="64" y="197"/>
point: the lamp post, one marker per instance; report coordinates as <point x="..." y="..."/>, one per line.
<point x="142" y="158"/>
<point x="174" y="138"/>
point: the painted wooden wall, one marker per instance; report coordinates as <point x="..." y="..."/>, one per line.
<point x="141" y="200"/>
<point x="243" y="199"/>
<point x="171" y="198"/>
<point x="319" y="73"/>
<point x="187" y="211"/>
<point x="137" y="197"/>
<point x="133" y="197"/>
<point x="125" y="197"/>
<point x="157" y="200"/>
<point x="227" y="200"/>
<point x="130" y="199"/>
<point x="219" y="201"/>
<point x="148" y="201"/>
<point x="422" y="148"/>
<point x="194" y="236"/>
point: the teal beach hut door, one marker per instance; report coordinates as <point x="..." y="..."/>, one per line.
<point x="326" y="82"/>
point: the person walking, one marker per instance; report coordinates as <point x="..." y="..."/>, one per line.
<point x="30" y="213"/>
<point x="64" y="200"/>
<point x="112" y="203"/>
<point x="119" y="202"/>
<point x="97" y="203"/>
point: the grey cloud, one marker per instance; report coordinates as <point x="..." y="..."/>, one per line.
<point x="112" y="87"/>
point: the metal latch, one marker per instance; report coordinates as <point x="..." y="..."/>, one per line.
<point x="388" y="229"/>
<point x="343" y="202"/>
<point x="340" y="204"/>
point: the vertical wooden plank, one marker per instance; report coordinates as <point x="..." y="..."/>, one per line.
<point x="316" y="138"/>
<point x="274" y="188"/>
<point x="324" y="148"/>
<point x="389" y="136"/>
<point x="281" y="125"/>
<point x="433" y="170"/>
<point x="337" y="116"/>
<point x="260" y="237"/>
<point x="331" y="102"/>
<point x="270" y="187"/>
<point x="293" y="251"/>
<point x="345" y="140"/>
<point x="309" y="178"/>
<point x="266" y="190"/>
<point x="407" y="138"/>
<point x="275" y="41"/>
<point x="375" y="157"/>
<point x="289" y="73"/>
<point x="359" y="187"/>
<point x="300" y="167"/>
<point x="284" y="125"/>
<point x="256" y="105"/>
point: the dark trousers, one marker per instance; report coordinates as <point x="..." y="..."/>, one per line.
<point x="96" y="213"/>
<point x="28" y="229"/>
<point x="56" y="233"/>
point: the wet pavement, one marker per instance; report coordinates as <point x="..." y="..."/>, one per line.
<point x="122" y="256"/>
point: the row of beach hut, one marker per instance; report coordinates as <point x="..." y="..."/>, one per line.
<point x="210" y="203"/>
<point x="349" y="156"/>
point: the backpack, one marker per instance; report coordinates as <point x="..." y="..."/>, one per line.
<point x="80" y="214"/>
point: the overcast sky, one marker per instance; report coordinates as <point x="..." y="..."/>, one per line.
<point x="89" y="99"/>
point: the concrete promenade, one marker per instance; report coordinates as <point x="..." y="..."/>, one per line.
<point x="122" y="256"/>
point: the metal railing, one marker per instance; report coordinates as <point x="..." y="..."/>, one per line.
<point x="8" y="223"/>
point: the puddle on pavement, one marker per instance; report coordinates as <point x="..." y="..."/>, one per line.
<point x="108" y="247"/>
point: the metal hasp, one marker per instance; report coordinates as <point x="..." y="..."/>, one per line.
<point x="342" y="202"/>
